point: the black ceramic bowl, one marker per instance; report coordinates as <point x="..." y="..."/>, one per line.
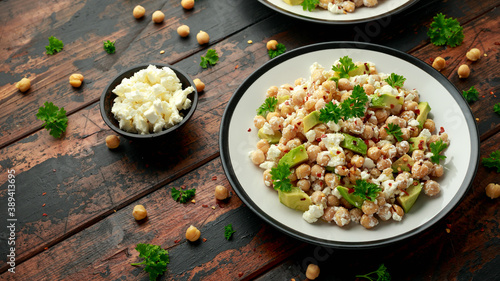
<point x="108" y="97"/>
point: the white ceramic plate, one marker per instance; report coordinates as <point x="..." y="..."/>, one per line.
<point x="449" y="110"/>
<point x="362" y="14"/>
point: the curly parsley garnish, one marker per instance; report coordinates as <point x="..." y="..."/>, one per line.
<point x="493" y="161"/>
<point x="381" y="273"/>
<point x="395" y="130"/>
<point x="445" y="31"/>
<point x="55" y="45"/>
<point x="280" y="49"/>
<point x="279" y="175"/>
<point x="109" y="47"/>
<point x="471" y="95"/>
<point x="155" y="259"/>
<point x="344" y="67"/>
<point x="210" y="59"/>
<point x="55" y="119"/>
<point x="395" y="80"/>
<point x="309" y="5"/>
<point x="269" y="105"/>
<point x="228" y="231"/>
<point x="436" y="148"/>
<point x="184" y="195"/>
<point x="352" y="107"/>
<point x="366" y="190"/>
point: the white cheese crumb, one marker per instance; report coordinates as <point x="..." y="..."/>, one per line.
<point x="267" y="129"/>
<point x="425" y="133"/>
<point x="273" y="153"/>
<point x="313" y="214"/>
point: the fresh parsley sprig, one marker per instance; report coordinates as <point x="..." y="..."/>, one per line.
<point x="210" y="59"/>
<point x="55" y="119"/>
<point x="184" y="195"/>
<point x="155" y="259"/>
<point x="395" y="130"/>
<point x="493" y="161"/>
<point x="228" y="231"/>
<point x="395" y="80"/>
<point x="352" y="107"/>
<point x="471" y="95"/>
<point x="280" y="49"/>
<point x="366" y="190"/>
<point x="381" y="273"/>
<point x="279" y="175"/>
<point x="344" y="67"/>
<point x="445" y="31"/>
<point x="269" y="105"/>
<point x="331" y="112"/>
<point x="436" y="148"/>
<point x="496" y="108"/>
<point x="55" y="45"/>
<point x="309" y="5"/>
<point x="109" y="47"/>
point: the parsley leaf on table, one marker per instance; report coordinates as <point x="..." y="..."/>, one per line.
<point x="381" y="272"/>
<point x="55" y="119"/>
<point x="210" y="59"/>
<point x="496" y="108"/>
<point x="184" y="195"/>
<point x="228" y="231"/>
<point x="366" y="190"/>
<point x="471" y="95"/>
<point x="280" y="49"/>
<point x="445" y="31"/>
<point x="109" y="47"/>
<point x="55" y="45"/>
<point x="344" y="67"/>
<point x="279" y="175"/>
<point x="354" y="106"/>
<point x="493" y="161"/>
<point x="436" y="148"/>
<point x="395" y="80"/>
<point x="269" y="105"/>
<point x="309" y="5"/>
<point x="395" y="130"/>
<point x="155" y="259"/>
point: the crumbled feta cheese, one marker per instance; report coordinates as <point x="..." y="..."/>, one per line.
<point x="313" y="214"/>
<point x="425" y="133"/>
<point x="315" y="66"/>
<point x="396" y="217"/>
<point x="273" y="153"/>
<point x="410" y="97"/>
<point x="428" y="155"/>
<point x="335" y="8"/>
<point x="311" y="135"/>
<point x="336" y="193"/>
<point x="332" y="141"/>
<point x="369" y="164"/>
<point x="413" y="123"/>
<point x="335" y="126"/>
<point x="389" y="188"/>
<point x="267" y="165"/>
<point x="387" y="89"/>
<point x="267" y="129"/>
<point x="365" y="175"/>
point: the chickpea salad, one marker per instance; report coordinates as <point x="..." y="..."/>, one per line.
<point x="333" y="6"/>
<point x="349" y="144"/>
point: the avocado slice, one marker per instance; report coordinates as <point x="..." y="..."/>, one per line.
<point x="311" y="120"/>
<point x="272" y="139"/>
<point x="355" y="144"/>
<point x="295" y="199"/>
<point x="403" y="164"/>
<point x="282" y="99"/>
<point x="386" y="101"/>
<point x="355" y="200"/>
<point x="417" y="143"/>
<point x="293" y="2"/>
<point x="407" y="201"/>
<point x="423" y="109"/>
<point x="361" y="69"/>
<point x="295" y="156"/>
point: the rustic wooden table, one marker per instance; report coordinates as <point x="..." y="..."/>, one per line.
<point x="74" y="196"/>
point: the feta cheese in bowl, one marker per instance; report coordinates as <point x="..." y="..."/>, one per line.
<point x="148" y="101"/>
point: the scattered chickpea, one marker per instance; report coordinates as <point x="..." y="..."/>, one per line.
<point x="221" y="192"/>
<point x="271" y="44"/>
<point x="474" y="54"/>
<point x="192" y="234"/>
<point x="139" y="11"/>
<point x="202" y="37"/>
<point x="463" y="71"/>
<point x="312" y="271"/>
<point x="439" y="63"/>
<point x="493" y="190"/>
<point x="139" y="212"/>
<point x="183" y="30"/>
<point x="158" y="16"/>
<point x="76" y="80"/>
<point x="23" y="85"/>
<point x="200" y="86"/>
<point x="187" y="4"/>
<point x="112" y="141"/>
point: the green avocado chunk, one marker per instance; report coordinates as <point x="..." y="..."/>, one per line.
<point x="407" y="201"/>
<point x="295" y="199"/>
<point x="355" y="200"/>
<point x="295" y="156"/>
<point x="361" y="69"/>
<point x="424" y="110"/>
<point x="355" y="144"/>
<point x="417" y="143"/>
<point x="386" y="101"/>
<point x="403" y="164"/>
<point x="282" y="99"/>
<point x="272" y="139"/>
<point x="311" y="120"/>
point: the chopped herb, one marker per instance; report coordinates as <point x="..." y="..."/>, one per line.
<point x="366" y="190"/>
<point x="309" y="5"/>
<point x="109" y="47"/>
<point x="55" y="45"/>
<point x="55" y="119"/>
<point x="381" y="273"/>
<point x="436" y="148"/>
<point x="228" y="231"/>
<point x="155" y="259"/>
<point x="445" y="31"/>
<point x="493" y="161"/>
<point x="395" y="80"/>
<point x="352" y="107"/>
<point x="210" y="59"/>
<point x="344" y="67"/>
<point x="279" y="175"/>
<point x="331" y="112"/>
<point x="471" y="95"/>
<point x="496" y="108"/>
<point x="184" y="195"/>
<point x="280" y="49"/>
<point x="395" y="130"/>
<point x="269" y="105"/>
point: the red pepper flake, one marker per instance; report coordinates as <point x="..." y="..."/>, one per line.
<point x="298" y="123"/>
<point x="302" y="199"/>
<point x="356" y="122"/>
<point x="44" y="214"/>
<point x="355" y="142"/>
<point x="350" y="190"/>
<point x="367" y="142"/>
<point x="318" y="175"/>
<point x="249" y="130"/>
<point x="441" y="130"/>
<point x="406" y="193"/>
<point x="367" y="67"/>
<point x="431" y="60"/>
<point x="46" y="248"/>
<point x="417" y="111"/>
<point x="204" y="239"/>
<point x="177" y="241"/>
<point x="204" y="206"/>
<point x="43" y="194"/>
<point x="43" y="205"/>
<point x="236" y="67"/>
<point x="397" y="97"/>
<point x="323" y="136"/>
<point x="421" y="145"/>
<point x="214" y="178"/>
<point x="318" y="139"/>
<point x="390" y="184"/>
<point x="491" y="93"/>
<point x="392" y="106"/>
<point x="321" y="183"/>
<point x="338" y="152"/>
<point x="287" y="103"/>
<point x="415" y="183"/>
